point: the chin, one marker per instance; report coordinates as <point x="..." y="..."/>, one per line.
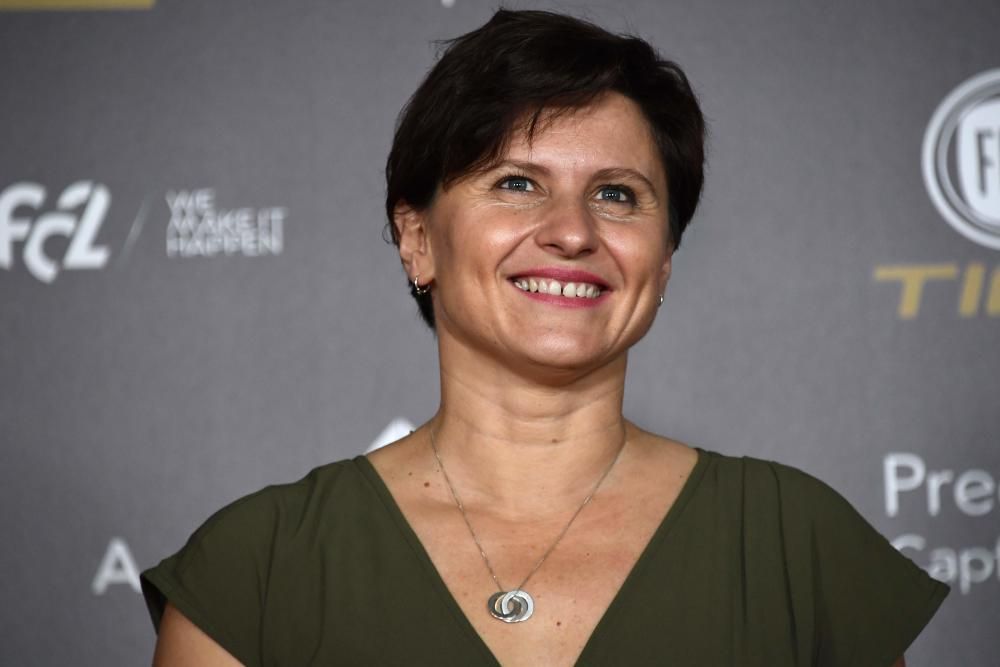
<point x="564" y="355"/>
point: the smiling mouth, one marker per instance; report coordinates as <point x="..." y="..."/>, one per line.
<point x="575" y="290"/>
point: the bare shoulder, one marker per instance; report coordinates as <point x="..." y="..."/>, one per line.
<point x="660" y="454"/>
<point x="402" y="464"/>
<point x="181" y="642"/>
<point x="395" y="455"/>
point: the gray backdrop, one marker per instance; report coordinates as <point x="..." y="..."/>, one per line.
<point x="196" y="300"/>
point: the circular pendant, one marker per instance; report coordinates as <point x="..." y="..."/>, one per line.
<point x="511" y="606"/>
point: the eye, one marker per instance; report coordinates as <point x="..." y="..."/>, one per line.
<point x="617" y="194"/>
<point x="516" y="183"/>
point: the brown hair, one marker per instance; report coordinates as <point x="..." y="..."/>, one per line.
<point x="516" y="65"/>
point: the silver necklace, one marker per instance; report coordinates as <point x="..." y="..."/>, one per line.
<point x="515" y="605"/>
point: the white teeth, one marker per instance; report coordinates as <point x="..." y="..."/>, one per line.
<point x="555" y="288"/>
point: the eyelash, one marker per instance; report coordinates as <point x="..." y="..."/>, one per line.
<point x="513" y="177"/>
<point x="623" y="189"/>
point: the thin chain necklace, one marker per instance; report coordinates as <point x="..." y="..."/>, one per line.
<point x="516" y="605"/>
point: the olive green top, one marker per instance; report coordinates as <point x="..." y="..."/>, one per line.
<point x="756" y="563"/>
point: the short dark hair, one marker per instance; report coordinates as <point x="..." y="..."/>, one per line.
<point x="515" y="66"/>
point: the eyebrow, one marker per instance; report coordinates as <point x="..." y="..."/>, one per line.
<point x="609" y="173"/>
<point x="621" y="173"/>
<point x="522" y="166"/>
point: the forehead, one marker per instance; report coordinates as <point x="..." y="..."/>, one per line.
<point x="612" y="131"/>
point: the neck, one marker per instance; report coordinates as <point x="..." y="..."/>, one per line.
<point x="501" y="432"/>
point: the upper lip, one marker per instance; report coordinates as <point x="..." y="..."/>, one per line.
<point x="563" y="275"/>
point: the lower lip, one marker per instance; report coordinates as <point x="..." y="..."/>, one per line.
<point x="565" y="301"/>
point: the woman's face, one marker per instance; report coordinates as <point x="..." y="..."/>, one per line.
<point x="580" y="211"/>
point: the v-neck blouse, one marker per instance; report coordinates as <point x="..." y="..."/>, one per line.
<point x="755" y="563"/>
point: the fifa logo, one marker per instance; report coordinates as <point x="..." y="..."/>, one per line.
<point x="961" y="159"/>
<point x="79" y="211"/>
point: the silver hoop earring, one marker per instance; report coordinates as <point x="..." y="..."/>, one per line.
<point x="417" y="288"/>
<point x="661" y="301"/>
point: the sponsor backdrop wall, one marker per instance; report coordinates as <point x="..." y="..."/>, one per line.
<point x="196" y="301"/>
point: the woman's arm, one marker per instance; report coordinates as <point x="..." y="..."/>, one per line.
<point x="181" y="642"/>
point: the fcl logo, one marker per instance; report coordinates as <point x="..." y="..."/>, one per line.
<point x="79" y="227"/>
<point x="961" y="159"/>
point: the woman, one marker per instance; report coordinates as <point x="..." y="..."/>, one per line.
<point x="539" y="182"/>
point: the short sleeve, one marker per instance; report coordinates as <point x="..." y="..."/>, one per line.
<point x="218" y="580"/>
<point x="871" y="601"/>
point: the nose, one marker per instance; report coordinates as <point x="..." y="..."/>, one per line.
<point x="568" y="229"/>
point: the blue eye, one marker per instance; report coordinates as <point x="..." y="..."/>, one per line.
<point x="516" y="183"/>
<point x="618" y="194"/>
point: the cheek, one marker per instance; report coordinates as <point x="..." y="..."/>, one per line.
<point x="482" y="239"/>
<point x="639" y="254"/>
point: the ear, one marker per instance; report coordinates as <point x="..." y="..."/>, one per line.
<point x="664" y="277"/>
<point x="414" y="244"/>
